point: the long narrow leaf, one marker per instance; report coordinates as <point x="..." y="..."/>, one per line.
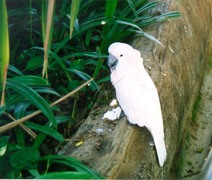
<point x="4" y="47"/>
<point x="14" y="70"/>
<point x="33" y="97"/>
<point x="46" y="130"/>
<point x="66" y="175"/>
<point x="85" y="54"/>
<point x="17" y="122"/>
<point x="62" y="64"/>
<point x="110" y="8"/>
<point x="10" y="101"/>
<point x="132" y="6"/>
<point x="146" y="7"/>
<point x="149" y="36"/>
<point x="85" y="76"/>
<point x="75" y="5"/>
<point x="72" y="163"/>
<point x="30" y="80"/>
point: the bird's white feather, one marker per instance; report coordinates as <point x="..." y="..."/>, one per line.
<point x="137" y="94"/>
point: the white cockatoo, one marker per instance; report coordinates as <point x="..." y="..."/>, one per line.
<point x="136" y="93"/>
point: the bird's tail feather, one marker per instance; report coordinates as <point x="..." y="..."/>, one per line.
<point x="161" y="149"/>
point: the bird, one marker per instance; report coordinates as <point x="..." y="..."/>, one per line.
<point x="136" y="93"/>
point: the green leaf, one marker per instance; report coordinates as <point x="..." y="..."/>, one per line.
<point x="25" y="158"/>
<point x="10" y="101"/>
<point x="128" y="23"/>
<point x="34" y="172"/>
<point x="63" y="119"/>
<point x="3" y="145"/>
<point x="132" y="6"/>
<point x="34" y="63"/>
<point x="15" y="70"/>
<point x="71" y="163"/>
<point x="46" y="130"/>
<point x="61" y="63"/>
<point x="147" y="6"/>
<point x="39" y="140"/>
<point x="30" y="80"/>
<point x="66" y="175"/>
<point x="75" y="5"/>
<point x="20" y="109"/>
<point x="110" y="8"/>
<point x="78" y="64"/>
<point x="33" y="97"/>
<point x="74" y="84"/>
<point x="20" y="136"/>
<point x="86" y="77"/>
<point x="46" y="90"/>
<point x="85" y="54"/>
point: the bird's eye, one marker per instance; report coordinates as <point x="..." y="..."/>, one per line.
<point x="121" y="55"/>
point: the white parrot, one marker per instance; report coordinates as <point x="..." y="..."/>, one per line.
<point x="136" y="93"/>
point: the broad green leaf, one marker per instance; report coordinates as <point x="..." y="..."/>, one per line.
<point x="3" y="145"/>
<point x="25" y="158"/>
<point x="46" y="130"/>
<point x="34" y="172"/>
<point x="34" y="63"/>
<point x="33" y="97"/>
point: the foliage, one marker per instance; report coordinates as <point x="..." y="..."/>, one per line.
<point x="27" y="162"/>
<point x="66" y="42"/>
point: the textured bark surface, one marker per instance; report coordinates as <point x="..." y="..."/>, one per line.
<point x="121" y="150"/>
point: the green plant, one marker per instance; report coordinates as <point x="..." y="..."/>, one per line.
<point x="26" y="162"/>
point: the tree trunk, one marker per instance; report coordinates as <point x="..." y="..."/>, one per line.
<point x="120" y="150"/>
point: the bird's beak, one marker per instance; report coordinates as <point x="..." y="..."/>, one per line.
<point x="112" y="62"/>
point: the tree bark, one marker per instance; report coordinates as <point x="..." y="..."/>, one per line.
<point x="120" y="150"/>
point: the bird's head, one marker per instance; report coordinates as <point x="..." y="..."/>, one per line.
<point x="121" y="53"/>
